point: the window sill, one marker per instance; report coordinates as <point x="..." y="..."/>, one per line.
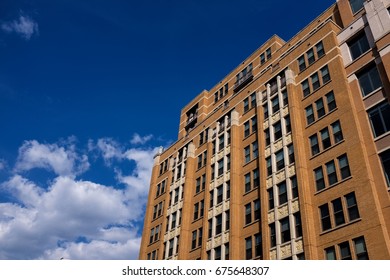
<point x="327" y="149"/>
<point x="357" y="58"/>
<point x="199" y="192"/>
<point x="341" y="226"/>
<point x="319" y="119"/>
<point x="372" y="93"/>
<point x="252" y="223"/>
<point x="249" y="135"/>
<point x="252" y="160"/>
<point x="316" y="90"/>
<point x="332" y="186"/>
<point x="382" y="136"/>
<point x="252" y="190"/>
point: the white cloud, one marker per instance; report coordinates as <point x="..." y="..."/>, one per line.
<point x="25" y="26"/>
<point x="3" y="164"/>
<point x="109" y="148"/>
<point x="137" y="139"/>
<point x="69" y="218"/>
<point x="63" y="160"/>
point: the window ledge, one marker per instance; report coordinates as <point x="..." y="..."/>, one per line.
<point x="252" y="223"/>
<point x="372" y="93"/>
<point x="358" y="58"/>
<point x="382" y="136"/>
<point x="327" y="149"/>
<point x="332" y="186"/>
<point x="340" y="226"/>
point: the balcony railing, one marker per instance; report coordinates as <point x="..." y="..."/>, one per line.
<point x="242" y="81"/>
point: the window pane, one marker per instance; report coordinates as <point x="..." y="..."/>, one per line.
<point x="358" y="45"/>
<point x="360" y="249"/>
<point x="282" y="193"/>
<point x="331" y="101"/>
<point x="305" y="88"/>
<point x="325" y="138"/>
<point x="310" y="56"/>
<point x="337" y="133"/>
<point x="380" y="119"/>
<point x="345" y="251"/>
<point x="356" y="5"/>
<point x="338" y="212"/>
<point x="353" y="212"/>
<point x="320" y="49"/>
<point x="315" y="81"/>
<point x="320" y="108"/>
<point x="285" y="230"/>
<point x="385" y="158"/>
<point x="330" y="253"/>
<point x="319" y="176"/>
<point x="369" y="80"/>
<point x="331" y="171"/>
<point x="315" y="148"/>
<point x="325" y="74"/>
<point x="325" y="218"/>
<point x="309" y="114"/>
<point x="344" y="167"/>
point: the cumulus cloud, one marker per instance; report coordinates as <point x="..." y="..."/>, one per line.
<point x="69" y="218"/>
<point x="24" y="26"/>
<point x="62" y="160"/>
<point x="137" y="139"/>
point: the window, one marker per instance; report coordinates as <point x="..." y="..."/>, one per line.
<point x="369" y="80"/>
<point x="269" y="166"/>
<point x="247" y="182"/>
<point x="315" y="148"/>
<point x="221" y="141"/>
<point x="331" y="171"/>
<point x="157" y="210"/>
<point x="196" y="238"/>
<point x="344" y="167"/>
<point x="258" y="246"/>
<point x="255" y="150"/>
<point x="277" y="131"/>
<point x="302" y="63"/>
<point x="385" y="158"/>
<point x="272" y="233"/>
<point x="325" y="74"/>
<point x="330" y="101"/>
<point x="219" y="194"/>
<point x="358" y="45"/>
<point x="268" y="53"/>
<point x="256" y="178"/>
<point x="352" y="208"/>
<point x="246" y="105"/>
<point x="210" y="228"/>
<point x="345" y="251"/>
<point x="291" y="157"/>
<point x="173" y="220"/>
<point x="320" y="108"/>
<point x="315" y="82"/>
<point x="325" y="217"/>
<point x="265" y="109"/>
<point x="305" y="87"/>
<point x="275" y="104"/>
<point x="220" y="167"/>
<point x="226" y="251"/>
<point x="279" y="160"/>
<point x="154" y="234"/>
<point x="246" y="129"/>
<point x="271" y="203"/>
<point x="325" y="138"/>
<point x="256" y="211"/>
<point x="338" y="212"/>
<point x="320" y="49"/>
<point x="198" y="210"/>
<point x="337" y="133"/>
<point x="170" y="250"/>
<point x="217" y="253"/>
<point x="248" y="248"/>
<point x="262" y="58"/>
<point x="247" y="154"/>
<point x="360" y="248"/>
<point x="218" y="227"/>
<point x="294" y="186"/>
<point x="285" y="230"/>
<point x="253" y="100"/>
<point x="319" y="176"/>
<point x="298" y="225"/>
<point x="287" y="123"/>
<point x="356" y="5"/>
<point x="250" y="102"/>
<point x="161" y="188"/>
<point x="285" y="98"/>
<point x="282" y="190"/>
<point x="227" y="220"/>
<point x="310" y="56"/>
<point x="267" y="137"/>
<point x="380" y="119"/>
<point x="309" y="114"/>
<point x="330" y="253"/>
<point x="228" y="162"/>
<point x="248" y="213"/>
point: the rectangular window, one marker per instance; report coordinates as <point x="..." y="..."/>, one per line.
<point x="345" y="251"/>
<point x="227" y="220"/>
<point x="256" y="178"/>
<point x="305" y="87"/>
<point x="248" y="213"/>
<point x="211" y="199"/>
<point x="325" y="138"/>
<point x="256" y="212"/>
<point x="248" y="248"/>
<point x="262" y="58"/>
<point x="380" y="119"/>
<point x="320" y="108"/>
<point x="287" y="123"/>
<point x="265" y="109"/>
<point x="272" y="233"/>
<point x="309" y="114"/>
<point x="269" y="166"/>
<point x="247" y="182"/>
<point x="219" y="194"/>
<point x="310" y="56"/>
<point x="360" y="248"/>
<point x="298" y="225"/>
<point x="352" y="208"/>
<point x="194" y="239"/>
<point x="200" y="160"/>
<point x="246" y="105"/>
<point x="220" y="167"/>
<point x="268" y="53"/>
<point x="217" y="253"/>
<point x="302" y="63"/>
<point x="315" y="148"/>
<point x="258" y="246"/>
<point x="277" y="131"/>
<point x="228" y="162"/>
<point x="385" y="159"/>
<point x="196" y="211"/>
<point x="279" y="160"/>
<point x="247" y="154"/>
<point x="291" y="157"/>
<point x="267" y="137"/>
<point x="356" y="5"/>
<point x="170" y="250"/>
<point x="325" y="74"/>
<point x="255" y="150"/>
<point x="331" y="171"/>
<point x="320" y="49"/>
<point x="282" y="190"/>
<point x="246" y="129"/>
<point x="358" y="45"/>
<point x="330" y="101"/>
<point x="369" y="80"/>
<point x="338" y="212"/>
<point x="227" y="251"/>
<point x="271" y="203"/>
<point x="294" y="186"/>
<point x="254" y="124"/>
<point x="285" y="230"/>
<point x="344" y="167"/>
<point x="275" y="104"/>
<point x="221" y="141"/>
<point x="330" y="253"/>
<point x="200" y="236"/>
<point x="285" y="98"/>
<point x="218" y="227"/>
<point x="337" y="133"/>
<point x="253" y="100"/>
<point x="210" y="228"/>
<point x="325" y="217"/>
<point x="315" y="82"/>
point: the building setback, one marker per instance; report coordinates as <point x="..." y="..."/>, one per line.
<point x="287" y="157"/>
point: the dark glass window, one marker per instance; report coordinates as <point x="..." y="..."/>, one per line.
<point x="246" y="129"/>
<point x="310" y="56"/>
<point x="305" y="87"/>
<point x="331" y="171"/>
<point x="285" y="230"/>
<point x="294" y="186"/>
<point x="380" y="119"/>
<point x="319" y="176"/>
<point x="267" y="137"/>
<point x="338" y="212"/>
<point x="258" y="246"/>
<point x="330" y="101"/>
<point x="369" y="80"/>
<point x="344" y="167"/>
<point x="247" y="178"/>
<point x="277" y="131"/>
<point x="309" y="114"/>
<point x="353" y="211"/>
<point x="315" y="148"/>
<point x="337" y="133"/>
<point x="320" y="108"/>
<point x="248" y="248"/>
<point x="325" y="74"/>
<point x="325" y="217"/>
<point x="345" y="251"/>
<point x="275" y="104"/>
<point x="358" y="45"/>
<point x="279" y="160"/>
<point x="271" y="203"/>
<point x="248" y="213"/>
<point x="302" y="63"/>
<point x="320" y="49"/>
<point x="385" y="158"/>
<point x="218" y="227"/>
<point x="325" y="138"/>
<point x="356" y="5"/>
<point x="269" y="166"/>
<point x="298" y="224"/>
<point x="282" y="190"/>
<point x="330" y="253"/>
<point x="272" y="233"/>
<point x="315" y="81"/>
<point x="360" y="248"/>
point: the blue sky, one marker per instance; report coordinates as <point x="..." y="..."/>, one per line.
<point x="88" y="90"/>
